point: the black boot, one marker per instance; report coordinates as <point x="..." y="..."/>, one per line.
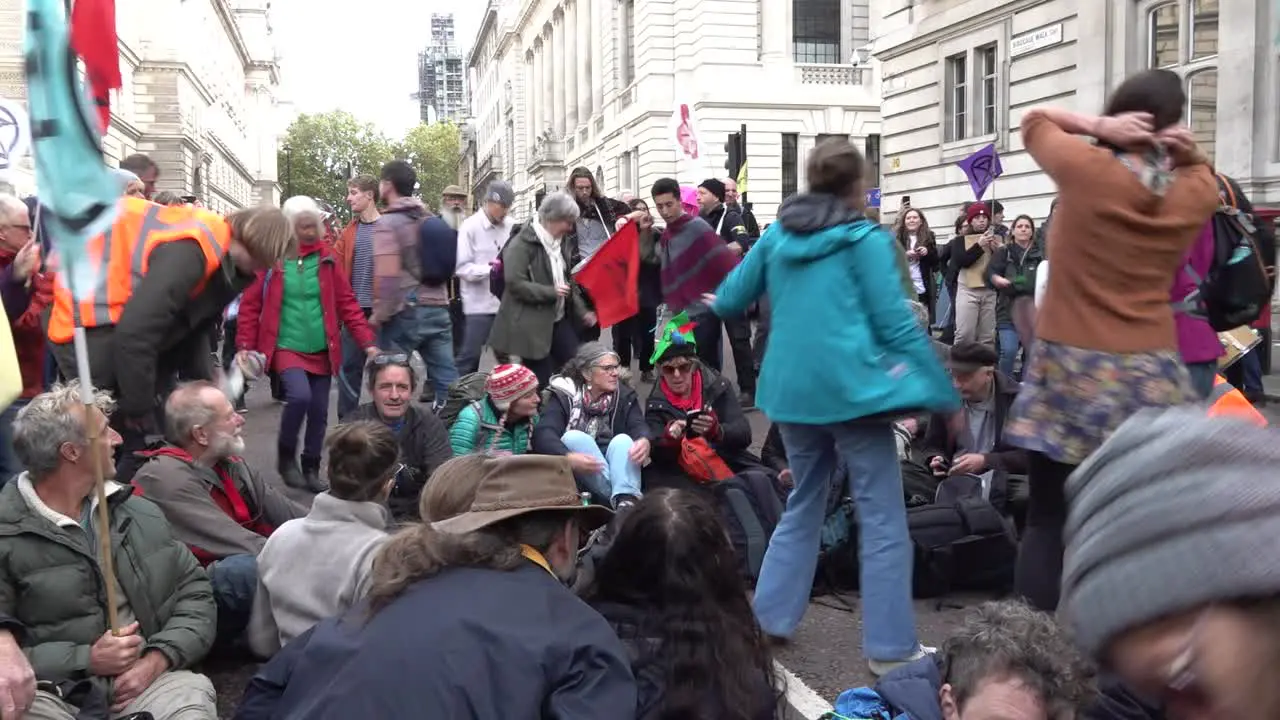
<point x="311" y="474"/>
<point x="287" y="466"/>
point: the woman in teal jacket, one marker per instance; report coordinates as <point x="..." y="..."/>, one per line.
<point x="502" y="421"/>
<point x="845" y="357"/>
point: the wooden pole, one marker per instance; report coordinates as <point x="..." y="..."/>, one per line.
<point x="105" y="558"/>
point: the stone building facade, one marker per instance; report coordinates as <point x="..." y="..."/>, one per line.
<point x="201" y="102"/>
<point x="959" y="74"/>
<point x="559" y="84"/>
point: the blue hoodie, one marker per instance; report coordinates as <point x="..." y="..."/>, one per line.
<point x="843" y="342"/>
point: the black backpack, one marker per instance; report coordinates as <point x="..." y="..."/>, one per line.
<point x="751" y="505"/>
<point x="497" y="280"/>
<point x="1237" y="288"/>
<point x="960" y="541"/>
<point x="437" y="251"/>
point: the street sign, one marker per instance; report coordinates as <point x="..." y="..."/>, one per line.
<point x="873" y="197"/>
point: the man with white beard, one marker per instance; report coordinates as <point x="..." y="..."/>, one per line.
<point x="216" y="505"/>
<point x="453" y="209"/>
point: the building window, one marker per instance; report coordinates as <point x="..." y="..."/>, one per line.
<point x="988" y="74"/>
<point x="790" y="164"/>
<point x="873" y="160"/>
<point x="816" y="31"/>
<point x="1182" y="36"/>
<point x="624" y="170"/>
<point x="628" y="42"/>
<point x="957" y="97"/>
<point x="635" y="172"/>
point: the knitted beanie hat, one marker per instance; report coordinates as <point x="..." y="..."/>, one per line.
<point x="1171" y="490"/>
<point x="508" y="383"/>
<point x="976" y="209"/>
<point x="715" y="187"/>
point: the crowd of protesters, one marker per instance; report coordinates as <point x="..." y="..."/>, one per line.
<point x="553" y="538"/>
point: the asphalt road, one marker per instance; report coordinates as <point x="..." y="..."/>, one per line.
<point x="823" y="659"/>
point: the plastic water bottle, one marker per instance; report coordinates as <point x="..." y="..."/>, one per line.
<point x="247" y="365"/>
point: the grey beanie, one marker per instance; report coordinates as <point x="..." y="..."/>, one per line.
<point x="1176" y="510"/>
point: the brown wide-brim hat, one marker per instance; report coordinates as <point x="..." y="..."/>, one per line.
<point x="521" y="484"/>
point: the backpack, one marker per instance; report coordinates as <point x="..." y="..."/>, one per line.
<point x="750" y="504"/>
<point x="497" y="280"/>
<point x="437" y="251"/>
<point x="1237" y="287"/>
<point x="960" y="541"/>
<point x="464" y="391"/>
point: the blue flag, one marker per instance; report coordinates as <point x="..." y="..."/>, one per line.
<point x="982" y="168"/>
<point x="79" y="194"/>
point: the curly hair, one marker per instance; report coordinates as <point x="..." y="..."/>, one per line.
<point x="672" y="560"/>
<point x="924" y="235"/>
<point x="1009" y="639"/>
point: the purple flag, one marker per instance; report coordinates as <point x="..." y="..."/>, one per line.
<point x="982" y="168"/>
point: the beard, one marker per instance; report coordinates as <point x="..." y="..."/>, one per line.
<point x="228" y="446"/>
<point x="453" y="217"/>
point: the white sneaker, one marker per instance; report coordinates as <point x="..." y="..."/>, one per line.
<point x="880" y="668"/>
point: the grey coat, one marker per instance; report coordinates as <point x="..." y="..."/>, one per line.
<point x="528" y="310"/>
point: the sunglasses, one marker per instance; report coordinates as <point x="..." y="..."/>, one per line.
<point x="390" y="359"/>
<point x="677" y="368"/>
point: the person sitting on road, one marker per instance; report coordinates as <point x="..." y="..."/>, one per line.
<point x="502" y="421"/>
<point x="669" y="586"/>
<point x="423" y="438"/>
<point x="974" y="444"/>
<point x="293" y="315"/>
<point x="51" y="579"/>
<point x="1006" y="660"/>
<point x="215" y="503"/>
<point x="319" y="566"/>
<point x="692" y="403"/>
<point x="598" y="424"/>
<point x="469" y="616"/>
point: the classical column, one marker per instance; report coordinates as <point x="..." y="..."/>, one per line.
<point x="600" y="13"/>
<point x="571" y="67"/>
<point x="774" y="27"/>
<point x="537" y="98"/>
<point x="585" y="61"/>
<point x="530" y="99"/>
<point x="557" y="76"/>
<point x="548" y="96"/>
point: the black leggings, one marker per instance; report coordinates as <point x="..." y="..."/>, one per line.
<point x="1038" y="575"/>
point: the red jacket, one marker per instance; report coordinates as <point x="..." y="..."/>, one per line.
<point x="28" y="331"/>
<point x="258" y="325"/>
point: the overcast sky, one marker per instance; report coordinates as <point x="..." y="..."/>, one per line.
<point x="361" y="55"/>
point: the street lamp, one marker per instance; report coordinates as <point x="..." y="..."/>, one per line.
<point x="288" y="171"/>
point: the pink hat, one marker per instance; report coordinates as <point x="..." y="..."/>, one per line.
<point x="508" y="383"/>
<point x="689" y="198"/>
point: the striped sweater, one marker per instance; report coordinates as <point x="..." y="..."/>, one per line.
<point x="694" y="261"/>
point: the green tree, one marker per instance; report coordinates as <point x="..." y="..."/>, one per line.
<point x="434" y="151"/>
<point x="321" y="151"/>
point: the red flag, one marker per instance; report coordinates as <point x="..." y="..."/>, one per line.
<point x="93" y="37"/>
<point x="612" y="276"/>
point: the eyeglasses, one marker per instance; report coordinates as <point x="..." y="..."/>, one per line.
<point x="390" y="359"/>
<point x="609" y="368"/>
<point x="677" y="368"/>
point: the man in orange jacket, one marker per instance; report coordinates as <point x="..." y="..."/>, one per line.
<point x="168" y="274"/>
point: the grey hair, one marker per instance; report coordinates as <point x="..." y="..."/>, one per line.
<point x="558" y="206"/>
<point x="167" y="197"/>
<point x="48" y="422"/>
<point x="184" y="410"/>
<point x="12" y="208"/>
<point x="588" y="355"/>
<point x="1010" y="640"/>
<point x="300" y="206"/>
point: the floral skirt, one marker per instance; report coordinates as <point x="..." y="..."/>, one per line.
<point x="1073" y="399"/>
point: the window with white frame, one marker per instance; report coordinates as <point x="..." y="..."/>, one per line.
<point x="988" y="89"/>
<point x="815" y="31"/>
<point x="628" y="42"/>
<point x="1182" y="36"/>
<point x="956" y="102"/>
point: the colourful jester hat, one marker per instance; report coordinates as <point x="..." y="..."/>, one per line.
<point x="675" y="340"/>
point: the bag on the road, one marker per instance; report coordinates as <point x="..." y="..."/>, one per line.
<point x="464" y="391"/>
<point x="1237" y="287"/>
<point x="437" y="251"/>
<point x="751" y="504"/>
<point x="960" y="541"/>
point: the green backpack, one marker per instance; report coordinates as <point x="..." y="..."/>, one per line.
<point x="464" y="391"/>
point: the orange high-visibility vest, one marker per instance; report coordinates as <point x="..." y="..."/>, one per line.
<point x="124" y="251"/>
<point x="1227" y="401"/>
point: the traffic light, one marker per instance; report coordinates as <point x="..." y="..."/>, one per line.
<point x="733" y="149"/>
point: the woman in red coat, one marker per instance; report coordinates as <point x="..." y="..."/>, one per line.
<point x="293" y="315"/>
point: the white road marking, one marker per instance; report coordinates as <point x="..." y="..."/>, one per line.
<point x="801" y="697"/>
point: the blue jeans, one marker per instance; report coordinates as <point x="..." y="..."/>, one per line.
<point x="235" y="580"/>
<point x="351" y="377"/>
<point x="474" y="338"/>
<point x="619" y="477"/>
<point x="942" y="312"/>
<point x="1202" y="376"/>
<point x="1010" y="344"/>
<point x="429" y="330"/>
<point x="306" y="398"/>
<point x="9" y="465"/>
<point x="884" y="547"/>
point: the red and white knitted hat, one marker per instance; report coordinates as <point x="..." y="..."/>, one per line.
<point x="508" y="383"/>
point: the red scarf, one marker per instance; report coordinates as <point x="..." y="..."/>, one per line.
<point x="689" y="403"/>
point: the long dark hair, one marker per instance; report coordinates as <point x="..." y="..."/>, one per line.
<point x="671" y="559"/>
<point x="924" y="235"/>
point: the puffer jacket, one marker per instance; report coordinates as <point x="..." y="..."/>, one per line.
<point x="50" y="581"/>
<point x="717" y="396"/>
<point x="477" y="430"/>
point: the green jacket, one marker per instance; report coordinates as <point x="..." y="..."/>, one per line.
<point x="51" y="582"/>
<point x="475" y="427"/>
<point x="528" y="310"/>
